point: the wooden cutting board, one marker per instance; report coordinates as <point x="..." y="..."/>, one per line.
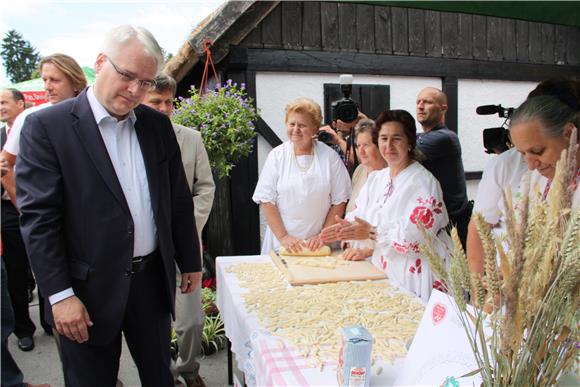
<point x="298" y="274"/>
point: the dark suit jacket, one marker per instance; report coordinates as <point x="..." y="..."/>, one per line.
<point x="75" y="220"/>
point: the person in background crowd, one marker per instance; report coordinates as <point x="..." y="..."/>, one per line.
<point x="342" y="140"/>
<point x="21" y="281"/>
<point x="507" y="170"/>
<point x="442" y="152"/>
<point x="189" y="315"/>
<point x="63" y="79"/>
<point x="11" y="373"/>
<point x="368" y="154"/>
<point x="12" y="103"/>
<point x="304" y="184"/>
<point x="392" y="206"/>
<point x="106" y="213"/>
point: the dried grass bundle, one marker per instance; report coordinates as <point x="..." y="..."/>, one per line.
<point x="530" y="301"/>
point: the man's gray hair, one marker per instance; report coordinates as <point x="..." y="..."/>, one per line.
<point x="165" y="82"/>
<point x="119" y="36"/>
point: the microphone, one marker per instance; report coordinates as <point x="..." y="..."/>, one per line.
<point x="489" y="109"/>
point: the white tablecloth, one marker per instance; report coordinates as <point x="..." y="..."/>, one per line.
<point x="265" y="359"/>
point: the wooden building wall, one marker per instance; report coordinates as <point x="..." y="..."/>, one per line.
<point x="355" y="38"/>
<point x="350" y="27"/>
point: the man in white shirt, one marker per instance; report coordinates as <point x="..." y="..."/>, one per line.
<point x="189" y="316"/>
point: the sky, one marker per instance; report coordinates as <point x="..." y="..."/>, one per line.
<point x="76" y="28"/>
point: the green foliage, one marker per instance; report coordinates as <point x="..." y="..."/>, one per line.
<point x="224" y="116"/>
<point x="208" y="298"/>
<point x="19" y="56"/>
<point x="213" y="336"/>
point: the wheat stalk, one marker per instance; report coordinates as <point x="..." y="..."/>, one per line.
<point x="535" y="325"/>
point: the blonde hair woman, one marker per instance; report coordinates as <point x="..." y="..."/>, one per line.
<point x="303" y="185"/>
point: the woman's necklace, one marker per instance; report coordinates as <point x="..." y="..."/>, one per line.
<point x="306" y="167"/>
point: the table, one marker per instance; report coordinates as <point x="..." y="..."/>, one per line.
<point x="264" y="358"/>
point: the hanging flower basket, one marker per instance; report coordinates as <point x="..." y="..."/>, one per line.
<point x="225" y="118"/>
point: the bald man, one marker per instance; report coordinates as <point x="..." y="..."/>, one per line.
<point x="442" y="150"/>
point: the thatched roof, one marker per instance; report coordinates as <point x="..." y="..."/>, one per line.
<point x="227" y="25"/>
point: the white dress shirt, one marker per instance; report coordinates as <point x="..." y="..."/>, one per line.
<point x="124" y="151"/>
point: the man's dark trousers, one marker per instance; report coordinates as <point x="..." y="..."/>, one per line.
<point x="17" y="268"/>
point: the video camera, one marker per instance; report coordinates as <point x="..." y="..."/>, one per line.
<point x="496" y="140"/>
<point x="345" y="109"/>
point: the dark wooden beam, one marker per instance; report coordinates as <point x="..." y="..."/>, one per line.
<point x="269" y="135"/>
<point x="245" y="213"/>
<point x="450" y="89"/>
<point x="475" y="175"/>
<point x="375" y="64"/>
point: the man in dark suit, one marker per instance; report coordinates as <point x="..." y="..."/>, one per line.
<point x="106" y="214"/>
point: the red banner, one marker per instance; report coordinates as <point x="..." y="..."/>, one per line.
<point x="35" y="97"/>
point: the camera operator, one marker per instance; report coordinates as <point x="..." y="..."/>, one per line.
<point x="340" y="137"/>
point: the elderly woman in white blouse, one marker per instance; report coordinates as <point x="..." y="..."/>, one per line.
<point x="304" y="184"/>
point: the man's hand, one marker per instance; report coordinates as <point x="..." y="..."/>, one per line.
<point x="4" y="166"/>
<point x="190" y="281"/>
<point x="334" y="139"/>
<point x="71" y="319"/>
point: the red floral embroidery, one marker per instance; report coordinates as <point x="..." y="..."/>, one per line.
<point x="425" y="212"/>
<point x="383" y="263"/>
<point x="405" y="247"/>
<point x="416" y="268"/>
<point x="440" y="285"/>
<point x="423" y="215"/>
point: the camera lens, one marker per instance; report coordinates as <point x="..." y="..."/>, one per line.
<point x="324" y="137"/>
<point x="347" y="112"/>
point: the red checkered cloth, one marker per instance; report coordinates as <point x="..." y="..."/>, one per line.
<point x="279" y="365"/>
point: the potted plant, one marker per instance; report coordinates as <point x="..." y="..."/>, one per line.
<point x="213" y="336"/>
<point x="208" y="298"/>
<point x="523" y="327"/>
<point x="225" y="118"/>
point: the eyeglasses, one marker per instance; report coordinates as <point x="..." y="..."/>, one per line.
<point x="145" y="84"/>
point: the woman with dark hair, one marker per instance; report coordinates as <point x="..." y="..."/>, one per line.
<point x="392" y="207"/>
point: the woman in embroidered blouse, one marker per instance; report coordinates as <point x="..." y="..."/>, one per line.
<point x="540" y="130"/>
<point x="389" y="208"/>
<point x="368" y="155"/>
<point x="303" y="186"/>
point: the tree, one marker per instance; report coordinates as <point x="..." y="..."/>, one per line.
<point x="19" y="56"/>
<point x="166" y="55"/>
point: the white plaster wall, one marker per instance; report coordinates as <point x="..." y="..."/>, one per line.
<point x="477" y="92"/>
